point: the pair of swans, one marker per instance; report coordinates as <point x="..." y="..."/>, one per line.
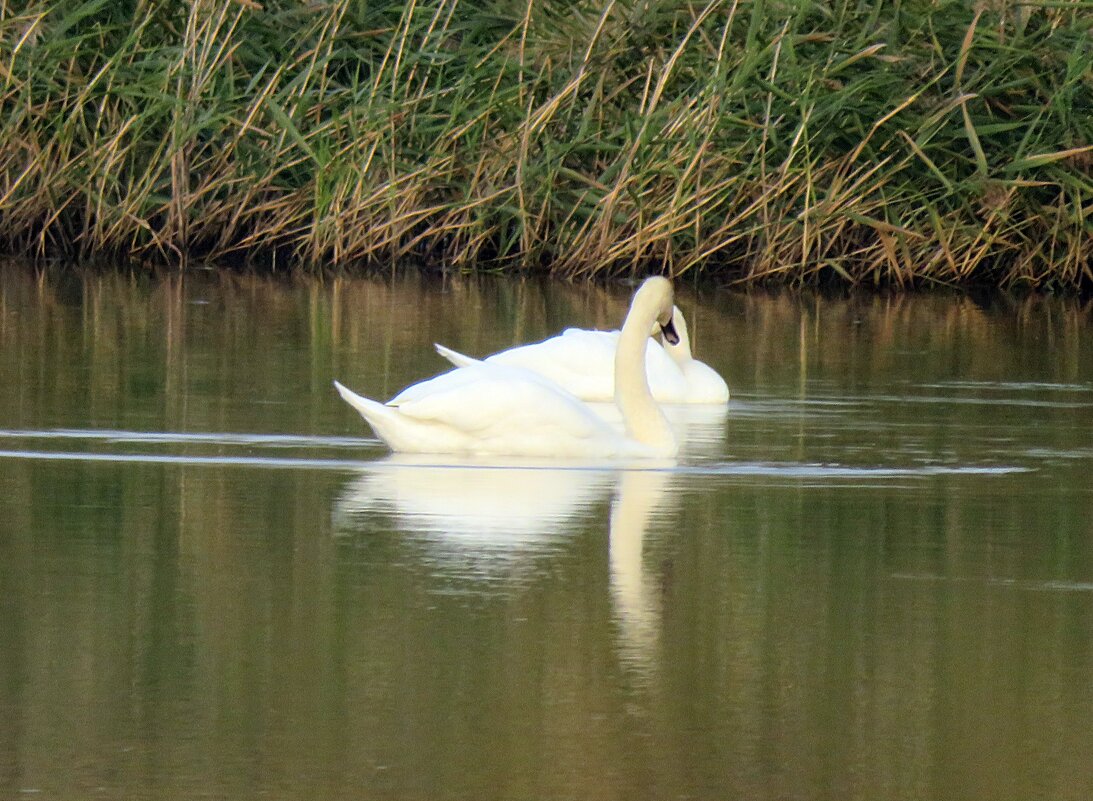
<point x="489" y="408"/>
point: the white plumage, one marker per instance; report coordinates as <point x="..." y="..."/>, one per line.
<point x="495" y="409"/>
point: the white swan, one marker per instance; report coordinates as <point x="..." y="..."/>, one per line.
<point x="582" y="362"/>
<point x="491" y="409"/>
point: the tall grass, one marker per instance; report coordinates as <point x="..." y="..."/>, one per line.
<point x="888" y="143"/>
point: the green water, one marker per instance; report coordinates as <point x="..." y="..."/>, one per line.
<point x="871" y="579"/>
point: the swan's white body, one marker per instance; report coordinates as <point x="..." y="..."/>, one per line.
<point x="493" y="409"/>
<point x="489" y="409"/>
<point x="583" y="362"/>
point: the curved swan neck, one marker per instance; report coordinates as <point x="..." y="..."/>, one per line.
<point x="645" y="422"/>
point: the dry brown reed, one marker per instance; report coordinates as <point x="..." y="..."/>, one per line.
<point x="892" y="144"/>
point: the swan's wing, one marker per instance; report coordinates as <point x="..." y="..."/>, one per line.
<point x="440" y="383"/>
<point x="487" y="400"/>
<point x="592" y="336"/>
<point x="575" y="350"/>
<point x="582" y="362"/>
<point x="454" y="356"/>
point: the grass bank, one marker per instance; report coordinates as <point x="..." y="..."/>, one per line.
<point x="888" y="143"/>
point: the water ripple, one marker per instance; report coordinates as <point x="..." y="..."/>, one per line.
<point x="1030" y="585"/>
<point x="167" y="458"/>
<point x="1010" y="386"/>
<point x="821" y="471"/>
<point x="182" y="437"/>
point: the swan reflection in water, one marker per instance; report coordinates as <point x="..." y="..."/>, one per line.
<point x="641" y="498"/>
<point x="470" y="517"/>
<point x="488" y="522"/>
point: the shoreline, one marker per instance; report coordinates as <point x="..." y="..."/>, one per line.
<point x="697" y="285"/>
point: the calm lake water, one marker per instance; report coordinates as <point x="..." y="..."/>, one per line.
<point x="871" y="579"/>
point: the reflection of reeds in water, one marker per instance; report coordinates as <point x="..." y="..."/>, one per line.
<point x="213" y="637"/>
<point x="202" y="352"/>
<point x="938" y="144"/>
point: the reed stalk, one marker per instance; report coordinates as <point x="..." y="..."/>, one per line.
<point x="877" y="143"/>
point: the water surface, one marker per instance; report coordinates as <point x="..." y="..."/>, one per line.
<point x="871" y="578"/>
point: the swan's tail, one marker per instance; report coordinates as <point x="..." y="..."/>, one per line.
<point x="455" y="357"/>
<point x="372" y="411"/>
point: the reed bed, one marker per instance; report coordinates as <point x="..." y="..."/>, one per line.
<point x="880" y="143"/>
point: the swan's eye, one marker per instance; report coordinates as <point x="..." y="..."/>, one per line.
<point x="668" y="329"/>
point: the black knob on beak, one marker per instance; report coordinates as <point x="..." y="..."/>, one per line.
<point x="668" y="330"/>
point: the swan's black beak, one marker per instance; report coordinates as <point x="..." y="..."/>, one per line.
<point x="668" y="329"/>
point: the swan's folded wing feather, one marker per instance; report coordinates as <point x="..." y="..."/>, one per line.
<point x="581" y="362"/>
<point x="454" y="356"/>
<point x="445" y="382"/>
<point x="502" y="401"/>
<point x="574" y="351"/>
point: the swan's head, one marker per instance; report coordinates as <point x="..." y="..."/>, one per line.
<point x="656" y="294"/>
